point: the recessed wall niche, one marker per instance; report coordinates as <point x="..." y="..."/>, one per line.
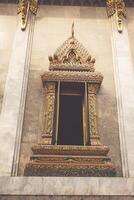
<point x="70" y="144"/>
<point x="107" y="120"/>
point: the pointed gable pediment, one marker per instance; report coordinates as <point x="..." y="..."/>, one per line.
<point x="72" y="56"/>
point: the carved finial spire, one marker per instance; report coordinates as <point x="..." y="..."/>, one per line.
<point x="73" y="29"/>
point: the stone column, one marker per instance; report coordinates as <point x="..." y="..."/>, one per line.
<point x="94" y="137"/>
<point x="11" y="118"/>
<point x="124" y="81"/>
<point x="49" y="109"/>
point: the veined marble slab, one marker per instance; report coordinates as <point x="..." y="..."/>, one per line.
<point x="66" y="186"/>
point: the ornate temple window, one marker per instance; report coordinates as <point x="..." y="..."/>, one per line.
<point x="70" y="143"/>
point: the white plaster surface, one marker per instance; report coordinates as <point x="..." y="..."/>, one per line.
<point x="66" y="186"/>
<point x="124" y="77"/>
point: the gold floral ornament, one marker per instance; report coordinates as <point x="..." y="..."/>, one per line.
<point x="118" y="8"/>
<point x="24" y="7"/>
<point x="72" y="56"/>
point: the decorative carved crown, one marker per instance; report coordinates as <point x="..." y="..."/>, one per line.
<point x="72" y="56"/>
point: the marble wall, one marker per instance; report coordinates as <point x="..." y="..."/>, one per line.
<point x="8" y="24"/>
<point x="130" y="26"/>
<point x="52" y="28"/>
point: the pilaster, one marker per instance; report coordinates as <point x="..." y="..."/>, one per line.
<point x="11" y="118"/>
<point x="124" y="81"/>
<point x="94" y="137"/>
<point x="49" y="112"/>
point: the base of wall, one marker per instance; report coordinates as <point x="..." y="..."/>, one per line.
<point x="66" y="186"/>
<point x="5" y="197"/>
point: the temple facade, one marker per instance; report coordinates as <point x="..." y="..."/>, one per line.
<point x="66" y="98"/>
